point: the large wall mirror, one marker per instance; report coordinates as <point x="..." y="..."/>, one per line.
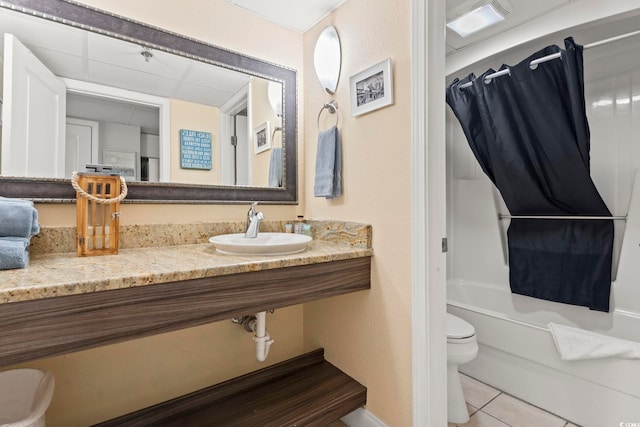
<point x="182" y="120"/>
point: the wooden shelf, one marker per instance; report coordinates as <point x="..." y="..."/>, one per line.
<point x="53" y="326"/>
<point x="303" y="391"/>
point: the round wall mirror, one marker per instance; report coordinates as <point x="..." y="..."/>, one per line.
<point x="327" y="58"/>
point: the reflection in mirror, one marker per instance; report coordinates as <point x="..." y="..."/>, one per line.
<point x="129" y="136"/>
<point x="155" y="116"/>
<point x="327" y="59"/>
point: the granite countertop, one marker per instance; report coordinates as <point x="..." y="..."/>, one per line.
<point x="52" y="274"/>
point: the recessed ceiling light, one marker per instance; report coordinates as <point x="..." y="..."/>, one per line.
<point x="471" y="18"/>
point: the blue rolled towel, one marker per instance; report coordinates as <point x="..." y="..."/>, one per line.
<point x="18" y="218"/>
<point x="14" y="252"/>
<point x="328" y="165"/>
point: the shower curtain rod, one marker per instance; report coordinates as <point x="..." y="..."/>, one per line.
<point x="534" y="64"/>
<point x="504" y="216"/>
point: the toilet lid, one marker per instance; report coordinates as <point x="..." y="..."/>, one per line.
<point x="458" y="328"/>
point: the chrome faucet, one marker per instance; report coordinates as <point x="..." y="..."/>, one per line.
<point x="253" y="222"/>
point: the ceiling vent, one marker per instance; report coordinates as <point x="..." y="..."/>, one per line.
<point x="473" y="16"/>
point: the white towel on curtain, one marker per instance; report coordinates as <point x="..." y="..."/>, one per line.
<point x="578" y="344"/>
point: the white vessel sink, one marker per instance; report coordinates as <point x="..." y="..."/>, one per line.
<point x="264" y="244"/>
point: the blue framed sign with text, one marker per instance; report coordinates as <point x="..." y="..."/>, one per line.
<point x="195" y="149"/>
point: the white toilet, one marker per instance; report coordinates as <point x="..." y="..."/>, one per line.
<point x="462" y="347"/>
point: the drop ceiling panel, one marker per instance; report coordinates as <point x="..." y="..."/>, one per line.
<point x="522" y="11"/>
<point x="110" y="75"/>
<point x="297" y="15"/>
<point x="202" y="94"/>
<point x="75" y="54"/>
<point x="29" y="31"/>
<point x="209" y="75"/>
<point x="127" y="55"/>
<point x="62" y="64"/>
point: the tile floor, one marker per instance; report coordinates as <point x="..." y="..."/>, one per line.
<point x="490" y="407"/>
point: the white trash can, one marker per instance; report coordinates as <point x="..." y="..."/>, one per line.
<point x="25" y="395"/>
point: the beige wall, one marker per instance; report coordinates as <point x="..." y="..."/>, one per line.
<point x="201" y="118"/>
<point x="101" y="383"/>
<point x="368" y="334"/>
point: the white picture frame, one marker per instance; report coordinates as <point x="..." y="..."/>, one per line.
<point x="262" y="137"/>
<point x="371" y="89"/>
<point x="125" y="163"/>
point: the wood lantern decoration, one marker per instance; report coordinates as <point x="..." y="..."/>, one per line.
<point x="98" y="198"/>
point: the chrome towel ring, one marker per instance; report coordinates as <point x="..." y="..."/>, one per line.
<point x="332" y="106"/>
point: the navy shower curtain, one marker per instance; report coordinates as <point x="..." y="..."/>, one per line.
<point x="529" y="132"/>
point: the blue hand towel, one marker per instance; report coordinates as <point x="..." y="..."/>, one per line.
<point x="328" y="165"/>
<point x="14" y="252"/>
<point x="275" y="167"/>
<point x="18" y="218"/>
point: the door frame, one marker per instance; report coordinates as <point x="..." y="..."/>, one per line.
<point x="239" y="101"/>
<point x="428" y="214"/>
<point x="95" y="134"/>
<point x="163" y="105"/>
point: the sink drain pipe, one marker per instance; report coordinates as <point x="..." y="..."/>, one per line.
<point x="258" y="325"/>
<point x="262" y="338"/>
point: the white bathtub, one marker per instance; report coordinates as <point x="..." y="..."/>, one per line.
<point x="517" y="354"/>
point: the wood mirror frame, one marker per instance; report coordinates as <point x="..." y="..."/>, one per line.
<point x="58" y="190"/>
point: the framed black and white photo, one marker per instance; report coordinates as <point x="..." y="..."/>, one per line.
<point x="262" y="138"/>
<point x="372" y="88"/>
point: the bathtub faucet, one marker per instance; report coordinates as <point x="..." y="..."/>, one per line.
<point x="253" y="222"/>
